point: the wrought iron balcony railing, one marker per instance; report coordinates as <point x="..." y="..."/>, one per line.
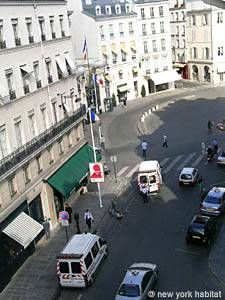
<point x="25" y="151"/>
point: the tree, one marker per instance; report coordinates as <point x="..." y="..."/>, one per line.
<point x="143" y="91"/>
<point x="113" y="99"/>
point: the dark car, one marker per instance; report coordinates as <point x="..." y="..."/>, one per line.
<point x="201" y="229"/>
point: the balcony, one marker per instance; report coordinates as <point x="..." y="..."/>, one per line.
<point x="38" y="84"/>
<point x="43" y="37"/>
<point x="124" y="59"/>
<point x="38" y="143"/>
<point x="17" y="41"/>
<point x="143" y="16"/>
<point x="53" y="35"/>
<point x="50" y="80"/>
<point x="12" y="94"/>
<point x="26" y="89"/>
<point x="114" y="61"/>
<point x="133" y="56"/>
<point x="63" y="33"/>
<point x="153" y="31"/>
<point x="2" y="44"/>
<point x="31" y="39"/>
<point x="102" y="37"/>
<point x="131" y="32"/>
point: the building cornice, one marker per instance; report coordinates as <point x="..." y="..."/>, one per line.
<point x="31" y="3"/>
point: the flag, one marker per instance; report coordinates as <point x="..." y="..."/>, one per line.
<point x="85" y="49"/>
<point x="94" y="116"/>
<point x="97" y="79"/>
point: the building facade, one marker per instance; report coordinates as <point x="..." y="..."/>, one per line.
<point x="205" y="41"/>
<point x="178" y="24"/>
<point x="42" y="108"/>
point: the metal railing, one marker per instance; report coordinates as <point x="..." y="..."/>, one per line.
<point x="29" y="148"/>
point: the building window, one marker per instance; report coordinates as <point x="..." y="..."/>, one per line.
<point x="48" y="69"/>
<point x="118" y="10"/>
<point x="39" y="164"/>
<point x="195" y="52"/>
<point x="145" y="45"/>
<point x="184" y="43"/>
<point x="144" y="31"/>
<point x="123" y="56"/>
<point x="177" y="16"/>
<point x="220" y="17"/>
<point x="142" y="13"/>
<point x="131" y="30"/>
<point x="52" y="26"/>
<point x="2" y="41"/>
<point x="206" y="53"/>
<point x="9" y="79"/>
<point x="70" y="140"/>
<point x="44" y="117"/>
<point x="177" y="30"/>
<point x="161" y="11"/>
<point x="120" y="74"/>
<point x="29" y="30"/>
<point x="12" y="185"/>
<point x="42" y="28"/>
<point x="36" y="74"/>
<point x="183" y="30"/>
<point x="154" y="47"/>
<point x="152" y="13"/>
<point x="3" y="142"/>
<point x="177" y="44"/>
<point x="162" y="27"/>
<point x="15" y="31"/>
<point x="220" y="51"/>
<point x="61" y="148"/>
<point x="163" y="44"/>
<point x="61" y="22"/>
<point x="32" y="125"/>
<point x="153" y="28"/>
<point x="114" y="58"/>
<point x="205" y="19"/>
<point x="26" y="174"/>
<point x="54" y="112"/>
<point x="111" y="33"/>
<point x="193" y="20"/>
<point x="221" y="77"/>
<point x="18" y="132"/>
<point x="121" y="30"/>
<point x="183" y="16"/>
<point x="50" y="155"/>
<point x="101" y="31"/>
<point x="25" y="80"/>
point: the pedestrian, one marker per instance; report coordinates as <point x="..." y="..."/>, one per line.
<point x="88" y="217"/>
<point x="77" y="218"/>
<point x="165" y="141"/>
<point x="102" y="142"/>
<point x="210" y="125"/>
<point x="145" y="193"/>
<point x="68" y="208"/>
<point x="203" y="148"/>
<point x="215" y="146"/>
<point x="144" y="147"/>
<point x="200" y="184"/>
<point x="46" y="226"/>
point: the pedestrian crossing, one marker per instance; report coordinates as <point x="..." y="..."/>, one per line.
<point x="168" y="164"/>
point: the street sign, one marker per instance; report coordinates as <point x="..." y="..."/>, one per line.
<point x="63" y="215"/>
<point x="65" y="223"/>
<point x="113" y="158"/>
<point x="96" y="172"/>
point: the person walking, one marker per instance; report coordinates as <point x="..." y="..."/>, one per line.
<point x="76" y="219"/>
<point x="203" y="148"/>
<point x="102" y="142"/>
<point x="145" y="193"/>
<point x="144" y="147"/>
<point x="68" y="208"/>
<point x="200" y="184"/>
<point x="210" y="125"/>
<point x="165" y="141"/>
<point x="88" y="217"/>
<point x="46" y="226"/>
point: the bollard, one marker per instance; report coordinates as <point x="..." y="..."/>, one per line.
<point x="146" y="113"/>
<point x="149" y="111"/>
<point x="157" y="106"/>
<point x="153" y="108"/>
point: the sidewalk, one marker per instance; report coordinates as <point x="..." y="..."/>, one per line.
<point x="36" y="279"/>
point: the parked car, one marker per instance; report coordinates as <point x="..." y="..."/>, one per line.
<point x="140" y="278"/>
<point x="214" y="202"/>
<point x="201" y="229"/>
<point x="188" y="176"/>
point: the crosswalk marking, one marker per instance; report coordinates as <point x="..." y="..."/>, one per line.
<point x="132" y="171"/>
<point x="122" y="171"/>
<point x="190" y="156"/>
<point x="173" y="163"/>
<point x="164" y="161"/>
<point x="197" y="161"/>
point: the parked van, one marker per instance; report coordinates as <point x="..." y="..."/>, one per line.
<point x="79" y="260"/>
<point x="149" y="175"/>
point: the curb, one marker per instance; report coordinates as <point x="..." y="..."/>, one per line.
<point x="215" y="274"/>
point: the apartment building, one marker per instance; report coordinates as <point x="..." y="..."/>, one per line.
<point x="206" y="44"/>
<point x="178" y="24"/>
<point x="43" y="154"/>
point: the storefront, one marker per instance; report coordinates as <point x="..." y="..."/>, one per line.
<point x="181" y="69"/>
<point x="162" y="81"/>
<point x="122" y="92"/>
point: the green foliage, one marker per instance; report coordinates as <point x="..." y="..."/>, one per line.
<point x="143" y="91"/>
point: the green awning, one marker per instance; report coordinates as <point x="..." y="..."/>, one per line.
<point x="72" y="172"/>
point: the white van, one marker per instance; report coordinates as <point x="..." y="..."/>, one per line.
<point x="149" y="175"/>
<point x="79" y="260"/>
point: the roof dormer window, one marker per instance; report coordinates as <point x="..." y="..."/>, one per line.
<point x="128" y="8"/>
<point x="108" y="10"/>
<point x="98" y="10"/>
<point x="118" y="9"/>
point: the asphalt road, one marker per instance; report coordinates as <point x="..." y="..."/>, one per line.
<point x="155" y="232"/>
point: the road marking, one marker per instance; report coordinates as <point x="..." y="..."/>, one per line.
<point x="122" y="171"/>
<point x="164" y="161"/>
<point x="190" y="156"/>
<point x="197" y="161"/>
<point x="172" y="163"/>
<point x="79" y="297"/>
<point x="132" y="171"/>
<point x="186" y="251"/>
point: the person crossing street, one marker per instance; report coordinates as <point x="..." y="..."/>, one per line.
<point x="165" y="141"/>
<point x="144" y="147"/>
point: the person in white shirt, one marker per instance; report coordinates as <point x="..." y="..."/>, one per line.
<point x="144" y="147"/>
<point x="88" y="217"/>
<point x="165" y="141"/>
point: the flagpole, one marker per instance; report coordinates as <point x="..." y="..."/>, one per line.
<point x="95" y="158"/>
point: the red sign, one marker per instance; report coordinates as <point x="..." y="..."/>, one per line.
<point x="96" y="172"/>
<point x="63" y="215"/>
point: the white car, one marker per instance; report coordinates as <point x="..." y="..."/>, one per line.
<point x="140" y="278"/>
<point x="188" y="176"/>
<point x="221" y="159"/>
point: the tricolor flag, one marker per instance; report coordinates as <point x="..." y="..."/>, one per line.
<point x="97" y="79"/>
<point x="85" y="49"/>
